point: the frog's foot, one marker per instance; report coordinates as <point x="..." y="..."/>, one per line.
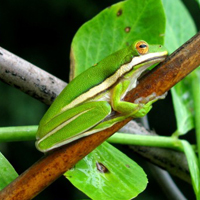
<point x="145" y="104"/>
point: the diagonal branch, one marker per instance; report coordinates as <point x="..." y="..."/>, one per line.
<point x="41" y="85"/>
<point x="53" y="165"/>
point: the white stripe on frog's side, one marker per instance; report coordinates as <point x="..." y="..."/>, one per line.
<point x="57" y="128"/>
<point x="114" y="78"/>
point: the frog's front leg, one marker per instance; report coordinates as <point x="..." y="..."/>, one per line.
<point x="127" y="108"/>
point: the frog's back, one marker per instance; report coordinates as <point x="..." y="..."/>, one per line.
<point x="87" y="80"/>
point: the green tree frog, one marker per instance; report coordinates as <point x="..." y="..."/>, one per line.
<point x="88" y="103"/>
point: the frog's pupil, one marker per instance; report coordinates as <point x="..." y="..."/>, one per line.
<point x="143" y="46"/>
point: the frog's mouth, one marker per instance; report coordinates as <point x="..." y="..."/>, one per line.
<point x="156" y="60"/>
<point x="150" y="58"/>
<point x="142" y="65"/>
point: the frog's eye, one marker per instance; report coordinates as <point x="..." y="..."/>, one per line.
<point x="142" y="47"/>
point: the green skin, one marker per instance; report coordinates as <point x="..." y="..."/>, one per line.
<point x="87" y="104"/>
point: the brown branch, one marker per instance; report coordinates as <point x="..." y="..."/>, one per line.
<point x="41" y="85"/>
<point x="53" y="165"/>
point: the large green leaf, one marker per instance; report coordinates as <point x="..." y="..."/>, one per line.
<point x="114" y="28"/>
<point x="7" y="172"/>
<point x="180" y="27"/>
<point x="111" y="175"/>
<point x="193" y="167"/>
<point x="198" y="1"/>
<point x="183" y="105"/>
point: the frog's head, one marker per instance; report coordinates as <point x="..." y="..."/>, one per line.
<point x="147" y="55"/>
<point x="144" y="56"/>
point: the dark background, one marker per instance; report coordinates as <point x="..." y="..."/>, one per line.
<point x="41" y="31"/>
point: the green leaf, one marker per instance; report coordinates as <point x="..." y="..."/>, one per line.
<point x="193" y="167"/>
<point x="198" y="1"/>
<point x="108" y="174"/>
<point x="195" y="87"/>
<point x="183" y="105"/>
<point x="112" y="29"/>
<point x="115" y="28"/>
<point x="7" y="172"/>
<point x="180" y="27"/>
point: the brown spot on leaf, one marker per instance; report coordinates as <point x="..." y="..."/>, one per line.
<point x="101" y="168"/>
<point x="119" y="12"/>
<point x="127" y="29"/>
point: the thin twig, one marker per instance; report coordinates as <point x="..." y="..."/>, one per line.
<point x="53" y="165"/>
<point x="30" y="79"/>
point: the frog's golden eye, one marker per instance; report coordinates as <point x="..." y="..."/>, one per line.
<point x="142" y="47"/>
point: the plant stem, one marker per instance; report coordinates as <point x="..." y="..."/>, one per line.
<point x="19" y="133"/>
<point x="193" y="167"/>
<point x="146" y="140"/>
<point x="196" y="97"/>
<point x="24" y="133"/>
